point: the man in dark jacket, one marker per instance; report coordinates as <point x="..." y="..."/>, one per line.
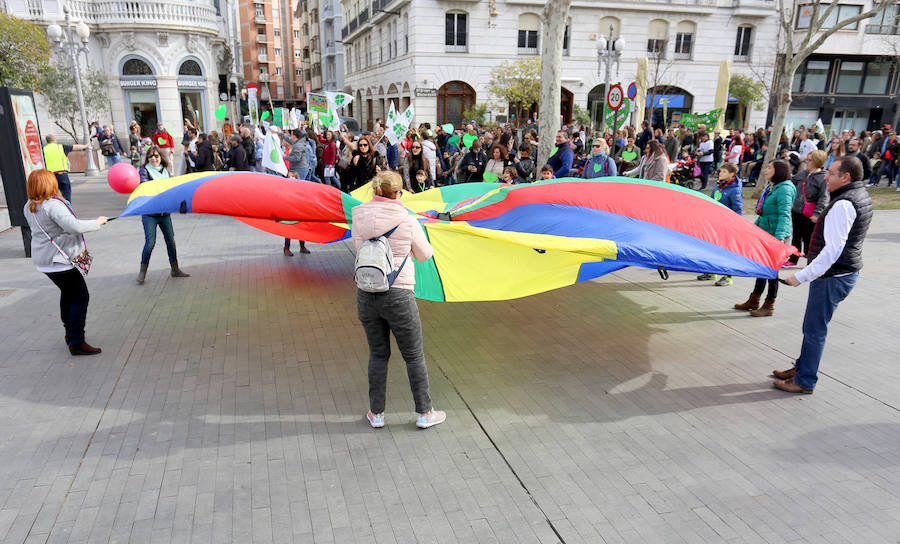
<point x="203" y="159"/>
<point x="249" y="147"/>
<point x="472" y="165"/>
<point x="835" y="254"/>
<point x="236" y="157"/>
<point x="718" y="147"/>
<point x="645" y="137"/>
<point x="853" y="149"/>
<point x="562" y="160"/>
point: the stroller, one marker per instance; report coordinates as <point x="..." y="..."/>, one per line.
<point x="686" y="173"/>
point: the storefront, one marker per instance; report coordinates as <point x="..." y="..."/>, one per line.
<point x="192" y="92"/>
<point x="138" y="83"/>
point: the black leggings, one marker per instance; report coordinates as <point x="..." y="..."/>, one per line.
<point x="73" y="303"/>
<point x="803" y="229"/>
<point x="761" y="286"/>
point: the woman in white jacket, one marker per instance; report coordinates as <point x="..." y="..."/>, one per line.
<point x="56" y="239"/>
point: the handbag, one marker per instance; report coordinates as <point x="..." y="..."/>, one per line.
<point x="696" y="171"/>
<point x="809" y="208"/>
<point x="82" y="261"/>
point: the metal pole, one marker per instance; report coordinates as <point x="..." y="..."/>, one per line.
<point x="607" y="58"/>
<point x="90" y="169"/>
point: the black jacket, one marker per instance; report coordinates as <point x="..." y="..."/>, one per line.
<point x="249" y="150"/>
<point x="525" y="168"/>
<point x="479" y="161"/>
<point x="237" y="158"/>
<point x="360" y="173"/>
<point x="850" y="259"/>
<point x="203" y="160"/>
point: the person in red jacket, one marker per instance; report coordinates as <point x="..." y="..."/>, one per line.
<point x="330" y="158"/>
<point x="163" y="140"/>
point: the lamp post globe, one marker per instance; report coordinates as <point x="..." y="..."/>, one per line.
<point x="620" y="44"/>
<point x="83" y="31"/>
<point x="54" y="32"/>
<point x="601" y="43"/>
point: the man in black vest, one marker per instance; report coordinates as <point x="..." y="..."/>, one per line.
<point x="835" y="258"/>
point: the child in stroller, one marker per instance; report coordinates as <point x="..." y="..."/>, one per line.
<point x="686" y="171"/>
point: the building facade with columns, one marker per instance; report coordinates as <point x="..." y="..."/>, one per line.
<point x="438" y="54"/>
<point x="164" y="60"/>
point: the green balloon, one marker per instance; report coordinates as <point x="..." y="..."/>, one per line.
<point x="468" y="140"/>
<point x="490" y="176"/>
<point x="629" y="155"/>
<point x="453" y="140"/>
<point x="265" y="115"/>
<point x="221" y="111"/>
<point x="161" y="141"/>
<point x="448" y="128"/>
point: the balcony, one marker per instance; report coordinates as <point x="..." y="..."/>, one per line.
<point x="892" y="30"/>
<point x="189" y="16"/>
<point x="262" y="57"/>
<point x="330" y="50"/>
<point x="260" y="38"/>
<point x="260" y="20"/>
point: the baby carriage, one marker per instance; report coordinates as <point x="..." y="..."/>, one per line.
<point x="686" y="173"/>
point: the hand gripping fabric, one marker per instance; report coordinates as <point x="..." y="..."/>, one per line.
<point x="375" y="264"/>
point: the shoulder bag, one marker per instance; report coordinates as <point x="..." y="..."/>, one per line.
<point x="82" y="261"/>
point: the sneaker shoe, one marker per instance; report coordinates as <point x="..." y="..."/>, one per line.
<point x="725" y="281"/>
<point x="789" y="264"/>
<point x="703" y="277"/>
<point x="430" y="419"/>
<point x="375" y="420"/>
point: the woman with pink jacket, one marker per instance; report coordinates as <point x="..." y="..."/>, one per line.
<point x="395" y="309"/>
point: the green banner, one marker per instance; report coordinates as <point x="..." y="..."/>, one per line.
<point x="692" y="120"/>
<point x="616" y="119"/>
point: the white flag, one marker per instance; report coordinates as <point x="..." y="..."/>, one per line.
<point x="272" y="157"/>
<point x="820" y="127"/>
<point x="338" y="100"/>
<point x="397" y="125"/>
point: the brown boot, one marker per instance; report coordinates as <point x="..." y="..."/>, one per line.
<point x="751" y="304"/>
<point x="767" y="309"/>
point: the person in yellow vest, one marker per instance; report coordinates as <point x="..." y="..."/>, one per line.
<point x="56" y="160"/>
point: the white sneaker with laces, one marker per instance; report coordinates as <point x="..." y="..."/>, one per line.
<point x="375" y="420"/>
<point x="430" y="419"/>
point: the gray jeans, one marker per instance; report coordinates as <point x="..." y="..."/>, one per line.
<point x="393" y="311"/>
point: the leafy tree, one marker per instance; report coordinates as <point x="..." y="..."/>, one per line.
<point x="517" y="83"/>
<point x="582" y="116"/>
<point x="62" y="103"/>
<point x="24" y="53"/>
<point x="749" y="91"/>
<point x="477" y="113"/>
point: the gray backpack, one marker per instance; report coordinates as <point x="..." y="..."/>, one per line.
<point x="375" y="264"/>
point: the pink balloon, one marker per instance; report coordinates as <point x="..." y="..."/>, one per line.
<point x="123" y="178"/>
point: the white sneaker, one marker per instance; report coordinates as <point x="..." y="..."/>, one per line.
<point x="430" y="419"/>
<point x="375" y="420"/>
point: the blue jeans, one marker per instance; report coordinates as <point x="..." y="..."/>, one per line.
<point x="393" y="311"/>
<point x="889" y="169"/>
<point x="73" y="303"/>
<point x="705" y="169"/>
<point x="333" y="180"/>
<point x="65" y="186"/>
<point x="824" y="296"/>
<point x="111" y="160"/>
<point x="164" y="222"/>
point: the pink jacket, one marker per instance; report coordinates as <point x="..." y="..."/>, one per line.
<point x="372" y="219"/>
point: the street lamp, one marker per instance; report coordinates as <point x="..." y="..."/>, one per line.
<point x="608" y="52"/>
<point x="55" y="33"/>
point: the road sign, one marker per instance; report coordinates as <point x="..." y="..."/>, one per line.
<point x="614" y="97"/>
<point x="632" y="90"/>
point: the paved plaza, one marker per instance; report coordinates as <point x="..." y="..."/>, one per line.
<point x="228" y="407"/>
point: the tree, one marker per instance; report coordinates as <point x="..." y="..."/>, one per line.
<point x="62" y="103"/>
<point x="477" y="113"/>
<point x="554" y="18"/>
<point x="581" y="115"/>
<point x="796" y="49"/>
<point x="750" y="93"/>
<point x="659" y="70"/>
<point x="517" y="84"/>
<point x="24" y="53"/>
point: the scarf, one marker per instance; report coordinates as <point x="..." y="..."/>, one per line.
<point x="156" y="173"/>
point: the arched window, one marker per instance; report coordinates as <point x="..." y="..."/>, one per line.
<point x="657" y="34"/>
<point x="616" y="25"/>
<point x="136" y="67"/>
<point x="684" y="39"/>
<point x="454" y="97"/>
<point x="190" y="67"/>
<point x="529" y="28"/>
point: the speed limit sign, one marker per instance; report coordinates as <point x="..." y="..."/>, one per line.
<point x="614" y="97"/>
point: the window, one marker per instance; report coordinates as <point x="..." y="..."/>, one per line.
<point x="296" y="34"/>
<point x="261" y="32"/>
<point x="261" y="49"/>
<point x="878" y="74"/>
<point x="566" y="40"/>
<point x="298" y="72"/>
<point x="297" y="53"/>
<point x="742" y="42"/>
<point x="136" y="67"/>
<point x="529" y="25"/>
<point x="850" y="76"/>
<point x="277" y="32"/>
<point x="657" y="33"/>
<point x="456" y="31"/>
<point x="277" y="51"/>
<point x="279" y="90"/>
<point x="812" y="77"/>
<point x="610" y="22"/>
<point x="684" y="40"/>
<point x="841" y="13"/>
<point x="190" y="68"/>
<point x="274" y="13"/>
<point x="886" y="22"/>
<point x="260" y="11"/>
<point x="278" y="71"/>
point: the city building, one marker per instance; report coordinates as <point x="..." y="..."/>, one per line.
<point x="852" y="81"/>
<point x="271" y="37"/>
<point x="332" y="54"/>
<point x="438" y="55"/>
<point x="310" y="44"/>
<point x="165" y="60"/>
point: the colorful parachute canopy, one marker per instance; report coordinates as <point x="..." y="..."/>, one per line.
<point x="496" y="241"/>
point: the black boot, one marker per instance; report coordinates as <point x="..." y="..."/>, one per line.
<point x="142" y="275"/>
<point x="176" y="272"/>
